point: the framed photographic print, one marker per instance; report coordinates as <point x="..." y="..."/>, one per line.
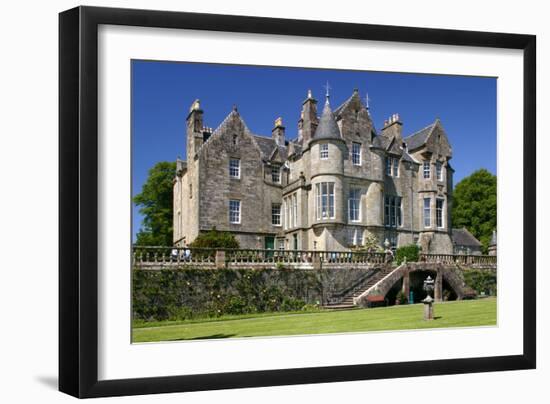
<point x="251" y="201"/>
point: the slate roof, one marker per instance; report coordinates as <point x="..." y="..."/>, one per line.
<point x="419" y="138"/>
<point x="464" y="237"/>
<point x="381" y="142"/>
<point x="268" y="146"/>
<point x="327" y="128"/>
<point x="407" y="157"/>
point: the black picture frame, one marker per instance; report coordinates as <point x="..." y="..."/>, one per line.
<point x="78" y="196"/>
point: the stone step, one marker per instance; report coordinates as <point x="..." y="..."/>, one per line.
<point x="339" y="306"/>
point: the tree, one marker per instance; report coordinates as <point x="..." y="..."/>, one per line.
<point x="155" y="203"/>
<point x="215" y="239"/>
<point x="475" y="205"/>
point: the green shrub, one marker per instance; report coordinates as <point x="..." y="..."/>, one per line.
<point x="215" y="239"/>
<point x="409" y="252"/>
<point x="481" y="281"/>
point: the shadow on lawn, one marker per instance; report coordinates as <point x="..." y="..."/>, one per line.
<point x="213" y="336"/>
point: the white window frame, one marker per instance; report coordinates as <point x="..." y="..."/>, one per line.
<point x="294" y="210"/>
<point x="388" y="166"/>
<point x="356" y="153"/>
<point x="234" y="171"/>
<point x="286" y="215"/>
<point x="426" y="170"/>
<point x="276" y="214"/>
<point x="276" y="174"/>
<point x="427" y="212"/>
<point x="393" y="211"/>
<point x="232" y="204"/>
<point x="324" y="200"/>
<point x="395" y="167"/>
<point x="440" y="213"/>
<point x="354" y="212"/>
<point x="323" y="151"/>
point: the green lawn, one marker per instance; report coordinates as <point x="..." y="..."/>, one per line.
<point x="466" y="313"/>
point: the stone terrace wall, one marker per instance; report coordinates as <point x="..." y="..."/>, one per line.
<point x="206" y="292"/>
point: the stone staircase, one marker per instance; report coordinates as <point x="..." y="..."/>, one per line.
<point x="348" y="301"/>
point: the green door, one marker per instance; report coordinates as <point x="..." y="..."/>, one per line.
<point x="269" y="245"/>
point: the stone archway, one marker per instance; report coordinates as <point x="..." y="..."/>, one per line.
<point x="448" y="273"/>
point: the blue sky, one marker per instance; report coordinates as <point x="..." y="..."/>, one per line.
<point x="163" y="91"/>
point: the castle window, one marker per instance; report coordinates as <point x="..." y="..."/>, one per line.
<point x="439" y="171"/>
<point x="439" y="203"/>
<point x="294" y="210"/>
<point x="276" y="174"/>
<point x="235" y="139"/>
<point x="392" y="211"/>
<point x="354" y="205"/>
<point x="356" y="153"/>
<point x="190" y="191"/>
<point x="234" y="211"/>
<point x="324" y="193"/>
<point x="392" y="166"/>
<point x="426" y="169"/>
<point x="276" y="214"/>
<point x="285" y="215"/>
<point x="323" y="151"/>
<point x="235" y="168"/>
<point x="427" y="212"/>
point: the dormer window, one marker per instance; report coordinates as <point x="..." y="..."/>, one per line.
<point x="392" y="166"/>
<point x="323" y="151"/>
<point x="426" y="169"/>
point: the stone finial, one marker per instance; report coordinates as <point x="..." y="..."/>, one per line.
<point x="278" y="122"/>
<point x="195" y="106"/>
<point x="309" y="95"/>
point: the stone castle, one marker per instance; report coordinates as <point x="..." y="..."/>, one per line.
<point x="338" y="183"/>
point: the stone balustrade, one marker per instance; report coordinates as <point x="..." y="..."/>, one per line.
<point x="169" y="257"/>
<point x="459" y="259"/>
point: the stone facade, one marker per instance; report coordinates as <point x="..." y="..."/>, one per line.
<point x="338" y="181"/>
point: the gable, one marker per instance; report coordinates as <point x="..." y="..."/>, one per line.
<point x="231" y="137"/>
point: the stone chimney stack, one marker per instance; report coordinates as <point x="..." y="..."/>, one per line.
<point x="195" y="127"/>
<point x="278" y="132"/>
<point x="308" y="119"/>
<point x="393" y="127"/>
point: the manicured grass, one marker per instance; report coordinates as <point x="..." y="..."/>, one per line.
<point x="467" y="313"/>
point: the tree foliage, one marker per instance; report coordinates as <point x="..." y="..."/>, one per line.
<point x="155" y="202"/>
<point x="475" y="205"/>
<point x="215" y="239"/>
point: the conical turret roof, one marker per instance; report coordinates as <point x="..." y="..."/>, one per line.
<point x="327" y="128"/>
